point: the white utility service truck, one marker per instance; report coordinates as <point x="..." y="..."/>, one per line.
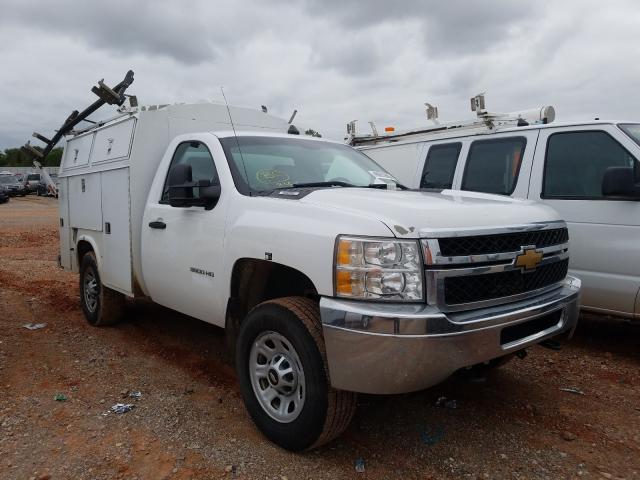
<point x="587" y="171"/>
<point x="329" y="277"/>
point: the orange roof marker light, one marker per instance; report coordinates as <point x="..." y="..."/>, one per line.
<point x="389" y="129"/>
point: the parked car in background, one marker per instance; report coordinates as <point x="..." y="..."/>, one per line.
<point x="12" y="186"/>
<point x="587" y="171"/>
<point x="31" y="182"/>
<point x="4" y="196"/>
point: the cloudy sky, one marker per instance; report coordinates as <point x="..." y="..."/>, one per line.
<point x="334" y="61"/>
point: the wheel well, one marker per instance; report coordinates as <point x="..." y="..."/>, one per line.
<point x="83" y="248"/>
<point x="254" y="281"/>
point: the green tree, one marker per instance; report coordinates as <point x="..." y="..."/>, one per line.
<point x="15" y="157"/>
<point x="312" y="132"/>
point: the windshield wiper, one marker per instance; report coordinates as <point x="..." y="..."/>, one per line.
<point x="385" y="186"/>
<point x="332" y="183"/>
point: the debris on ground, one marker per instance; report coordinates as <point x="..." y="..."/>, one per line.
<point x="60" y="397"/>
<point x="120" y="408"/>
<point x="577" y="391"/>
<point x="135" y="395"/>
<point x="429" y="437"/>
<point x="568" y="436"/>
<point x="444" y="402"/>
<point x="34" y="326"/>
<point x="359" y="465"/>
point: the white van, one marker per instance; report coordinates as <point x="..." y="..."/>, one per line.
<point x="588" y="171"/>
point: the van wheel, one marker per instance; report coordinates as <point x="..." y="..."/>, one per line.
<point x="101" y="305"/>
<point x="282" y="370"/>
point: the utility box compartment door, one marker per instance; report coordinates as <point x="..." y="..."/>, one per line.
<point x="85" y="201"/>
<point x="77" y="151"/>
<point x="116" y="235"/>
<point x="113" y="142"/>
<point x="64" y="228"/>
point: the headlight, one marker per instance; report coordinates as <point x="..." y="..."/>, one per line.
<point x="380" y="269"/>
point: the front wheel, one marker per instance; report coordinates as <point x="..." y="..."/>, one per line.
<point x="282" y="369"/>
<point x="100" y="305"/>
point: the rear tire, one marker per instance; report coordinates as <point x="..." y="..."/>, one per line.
<point x="286" y="388"/>
<point x="101" y="305"/>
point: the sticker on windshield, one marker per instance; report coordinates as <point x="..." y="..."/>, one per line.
<point x="273" y="178"/>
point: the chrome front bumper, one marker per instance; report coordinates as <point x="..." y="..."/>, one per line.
<point x="397" y="348"/>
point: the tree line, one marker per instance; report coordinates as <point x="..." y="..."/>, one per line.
<point x="14" y="157"/>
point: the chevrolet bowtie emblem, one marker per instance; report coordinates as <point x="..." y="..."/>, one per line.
<point x="528" y="259"/>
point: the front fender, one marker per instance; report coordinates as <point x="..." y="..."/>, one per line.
<point x="300" y="236"/>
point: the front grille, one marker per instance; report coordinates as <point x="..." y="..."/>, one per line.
<point x="504" y="242"/>
<point x="476" y="288"/>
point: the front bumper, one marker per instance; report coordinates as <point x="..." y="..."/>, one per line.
<point x="397" y="348"/>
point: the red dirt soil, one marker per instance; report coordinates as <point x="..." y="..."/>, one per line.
<point x="190" y="421"/>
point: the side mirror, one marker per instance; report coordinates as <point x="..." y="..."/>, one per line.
<point x="180" y="186"/>
<point x="181" y="189"/>
<point x="620" y="182"/>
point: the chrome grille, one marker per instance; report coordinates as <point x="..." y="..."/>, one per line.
<point x="480" y="268"/>
<point x="506" y="242"/>
<point x="475" y="288"/>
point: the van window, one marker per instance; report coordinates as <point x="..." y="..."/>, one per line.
<point x="198" y="156"/>
<point x="576" y="161"/>
<point x="493" y="165"/>
<point x="440" y="165"/>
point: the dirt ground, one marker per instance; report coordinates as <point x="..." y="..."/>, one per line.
<point x="190" y="421"/>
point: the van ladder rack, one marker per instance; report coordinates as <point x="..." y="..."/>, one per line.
<point x="106" y="95"/>
<point x="485" y="121"/>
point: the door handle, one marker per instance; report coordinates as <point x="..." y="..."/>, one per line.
<point x="160" y="225"/>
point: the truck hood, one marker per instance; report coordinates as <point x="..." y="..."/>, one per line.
<point x="413" y="214"/>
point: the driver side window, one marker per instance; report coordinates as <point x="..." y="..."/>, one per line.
<point x="203" y="167"/>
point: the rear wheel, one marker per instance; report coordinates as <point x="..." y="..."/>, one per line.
<point x="282" y="369"/>
<point x="100" y="305"/>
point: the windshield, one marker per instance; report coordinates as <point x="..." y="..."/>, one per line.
<point x="270" y="163"/>
<point x="35" y="176"/>
<point x="632" y="130"/>
<point x="7" y="179"/>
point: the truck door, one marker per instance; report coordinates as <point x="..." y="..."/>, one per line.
<point x="604" y="233"/>
<point x="182" y="248"/>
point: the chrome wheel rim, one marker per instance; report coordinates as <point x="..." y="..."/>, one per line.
<point x="277" y="376"/>
<point x="90" y="291"/>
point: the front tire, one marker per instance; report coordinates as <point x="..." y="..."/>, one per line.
<point x="282" y="370"/>
<point x="101" y="305"/>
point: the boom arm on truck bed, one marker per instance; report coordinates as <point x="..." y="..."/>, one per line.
<point x="107" y="95"/>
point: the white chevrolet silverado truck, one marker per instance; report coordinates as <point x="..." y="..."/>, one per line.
<point x="329" y="277"/>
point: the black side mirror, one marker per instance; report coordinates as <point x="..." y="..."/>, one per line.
<point x="209" y="195"/>
<point x="181" y="189"/>
<point x="180" y="186"/>
<point x="620" y="182"/>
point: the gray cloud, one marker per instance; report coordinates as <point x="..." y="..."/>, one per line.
<point x="333" y="61"/>
<point x="452" y="26"/>
<point x="175" y="30"/>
